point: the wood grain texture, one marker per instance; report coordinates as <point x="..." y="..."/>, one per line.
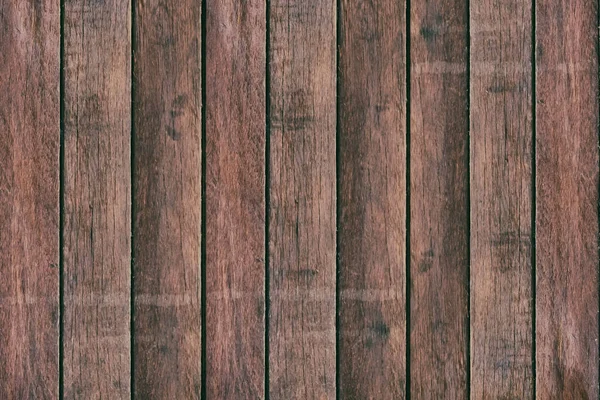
<point x="439" y="181"/>
<point x="29" y="199"/>
<point x="567" y="199"/>
<point x="97" y="223"/>
<point x="501" y="200"/>
<point x="372" y="226"/>
<point x="302" y="218"/>
<point x="235" y="199"/>
<point x="167" y="180"/>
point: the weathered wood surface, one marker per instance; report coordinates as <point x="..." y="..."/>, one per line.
<point x="439" y="193"/>
<point x="217" y="156"/>
<point x="29" y="199"/>
<point x="167" y="188"/>
<point x="567" y="199"/>
<point x="302" y="190"/>
<point x="372" y="199"/>
<point x="97" y="186"/>
<point x="235" y="199"/>
<point x="501" y="200"/>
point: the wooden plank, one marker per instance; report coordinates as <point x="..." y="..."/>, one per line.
<point x="501" y="200"/>
<point x="29" y="199"/>
<point x="439" y="182"/>
<point x="372" y="234"/>
<point x="97" y="221"/>
<point x="167" y="181"/>
<point x="235" y="199"/>
<point x="302" y="221"/>
<point x="567" y="199"/>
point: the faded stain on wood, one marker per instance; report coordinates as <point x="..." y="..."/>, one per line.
<point x="97" y="187"/>
<point x="302" y="215"/>
<point x="501" y="201"/>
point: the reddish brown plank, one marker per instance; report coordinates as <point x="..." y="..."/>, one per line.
<point x="29" y="198"/>
<point x="167" y="167"/>
<point x="97" y="223"/>
<point x="235" y="199"/>
<point x="372" y="234"/>
<point x="439" y="217"/>
<point x="501" y="199"/>
<point x="302" y="222"/>
<point x="567" y="199"/>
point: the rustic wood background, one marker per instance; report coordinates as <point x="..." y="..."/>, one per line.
<point x="299" y="199"/>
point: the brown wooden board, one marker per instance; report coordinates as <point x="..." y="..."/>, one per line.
<point x="372" y="199"/>
<point x="167" y="180"/>
<point x="97" y="223"/>
<point x="302" y="215"/>
<point x="439" y="187"/>
<point x="567" y="199"/>
<point x="235" y="199"/>
<point x="501" y="199"/>
<point x="29" y="199"/>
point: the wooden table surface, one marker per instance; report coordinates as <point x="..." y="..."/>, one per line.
<point x="299" y="199"/>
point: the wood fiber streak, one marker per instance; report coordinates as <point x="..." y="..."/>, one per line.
<point x="372" y="226"/>
<point x="235" y="199"/>
<point x="439" y="181"/>
<point x="501" y="200"/>
<point x="97" y="223"/>
<point x="167" y="180"/>
<point x="29" y="198"/>
<point x="567" y="199"/>
<point x="302" y="242"/>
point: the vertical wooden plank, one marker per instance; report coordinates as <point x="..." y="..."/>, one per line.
<point x="439" y="175"/>
<point x="302" y="222"/>
<point x="97" y="189"/>
<point x="567" y="199"/>
<point x="372" y="236"/>
<point x="235" y="199"/>
<point x="167" y="167"/>
<point x="29" y="198"/>
<point x="501" y="199"/>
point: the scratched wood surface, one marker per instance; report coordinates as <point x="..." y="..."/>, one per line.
<point x="97" y="198"/>
<point x="302" y="190"/>
<point x="299" y="199"/>
<point x="439" y="193"/>
<point x="501" y="200"/>
<point x="235" y="199"/>
<point x="566" y="74"/>
<point x="166" y="199"/>
<point x="29" y="199"/>
<point x="372" y="192"/>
